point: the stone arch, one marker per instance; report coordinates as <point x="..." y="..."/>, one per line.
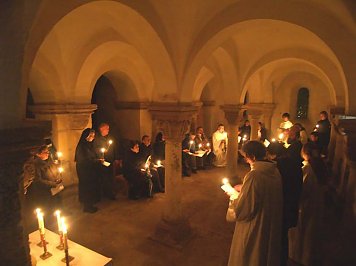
<point x="214" y="34"/>
<point x="71" y="21"/>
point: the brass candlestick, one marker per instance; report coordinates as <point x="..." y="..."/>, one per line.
<point x="45" y="254"/>
<point x="61" y="244"/>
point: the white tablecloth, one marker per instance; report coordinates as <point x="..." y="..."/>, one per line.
<point x="82" y="255"/>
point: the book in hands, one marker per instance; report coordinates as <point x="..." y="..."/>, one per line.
<point x="105" y="163"/>
<point x="55" y="190"/>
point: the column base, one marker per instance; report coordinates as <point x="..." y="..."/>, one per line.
<point x="174" y="234"/>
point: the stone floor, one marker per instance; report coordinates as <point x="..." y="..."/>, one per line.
<point x="121" y="228"/>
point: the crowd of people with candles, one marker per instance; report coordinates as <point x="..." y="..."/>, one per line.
<point x="277" y="208"/>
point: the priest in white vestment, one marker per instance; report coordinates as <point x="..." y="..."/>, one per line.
<point x="258" y="211"/>
<point x="220" y="146"/>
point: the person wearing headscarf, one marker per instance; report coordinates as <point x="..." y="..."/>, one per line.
<point x="87" y="165"/>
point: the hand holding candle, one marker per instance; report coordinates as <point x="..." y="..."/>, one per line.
<point x="229" y="189"/>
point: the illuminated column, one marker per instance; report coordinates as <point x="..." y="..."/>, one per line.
<point x="68" y="122"/>
<point x="174" y="122"/>
<point x="267" y="117"/>
<point x="208" y="117"/>
<point x="254" y="116"/>
<point x="233" y="114"/>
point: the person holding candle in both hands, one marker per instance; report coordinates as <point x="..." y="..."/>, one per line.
<point x="106" y="148"/>
<point x="258" y="211"/>
<point x="87" y="166"/>
<point x="47" y="176"/>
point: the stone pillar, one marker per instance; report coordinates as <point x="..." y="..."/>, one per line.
<point x="209" y="117"/>
<point x="16" y="147"/>
<point x="267" y="117"/>
<point x="68" y="122"/>
<point x="174" y="121"/>
<point x="254" y="111"/>
<point x="233" y="114"/>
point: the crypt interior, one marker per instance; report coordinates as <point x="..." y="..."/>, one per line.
<point x="145" y="66"/>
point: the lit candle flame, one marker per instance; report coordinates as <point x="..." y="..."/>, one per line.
<point x="208" y="144"/>
<point x="60" y="169"/>
<point x="103" y="150"/>
<point x="281" y="136"/>
<point x="57" y="213"/>
<point x="191" y="142"/>
<point x="273" y="140"/>
<point x="199" y="145"/>
<point x="59" y="154"/>
<point x="64" y="226"/>
<point x="225" y="180"/>
<point x="159" y="162"/>
<point x="317" y="126"/>
<point x="110" y="142"/>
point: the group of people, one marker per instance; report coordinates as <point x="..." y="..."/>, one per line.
<point x="99" y="160"/>
<point x="279" y="209"/>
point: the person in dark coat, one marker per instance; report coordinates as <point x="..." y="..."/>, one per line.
<point x="189" y="164"/>
<point x="87" y="165"/>
<point x="294" y="145"/>
<point x="105" y="148"/>
<point x="323" y="127"/>
<point x="292" y="182"/>
<point x="159" y="147"/>
<point x="132" y="170"/>
<point x="46" y="177"/>
<point x="245" y="131"/>
<point x="146" y="156"/>
<point x="262" y="132"/>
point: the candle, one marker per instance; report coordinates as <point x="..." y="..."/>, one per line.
<point x="59" y="154"/>
<point x="208" y="144"/>
<point x="110" y="142"/>
<point x="281" y="136"/>
<point x="57" y="213"/>
<point x="200" y="146"/>
<point x="229" y="189"/>
<point x="146" y="165"/>
<point x="190" y="144"/>
<point x="244" y="138"/>
<point x="273" y="140"/>
<point x="40" y="221"/>
<point x="60" y="170"/>
<point x="103" y="150"/>
<point x="159" y="163"/>
<point x="65" y="234"/>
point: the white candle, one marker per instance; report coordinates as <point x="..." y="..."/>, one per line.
<point x="281" y="136"/>
<point x="208" y="144"/>
<point x="40" y="221"/>
<point x="65" y="234"/>
<point x="103" y="150"/>
<point x="273" y="140"/>
<point x="60" y="170"/>
<point x="59" y="154"/>
<point x="159" y="163"/>
<point x="200" y="146"/>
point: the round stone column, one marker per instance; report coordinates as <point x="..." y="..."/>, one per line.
<point x="233" y="115"/>
<point x="174" y="121"/>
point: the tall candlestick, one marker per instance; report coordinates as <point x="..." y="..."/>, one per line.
<point x="67" y="258"/>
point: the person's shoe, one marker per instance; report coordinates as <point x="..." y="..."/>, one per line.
<point x="90" y="209"/>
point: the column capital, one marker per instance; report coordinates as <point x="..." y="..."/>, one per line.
<point x="76" y="115"/>
<point x="131" y="105"/>
<point x="173" y="118"/>
<point x="233" y="112"/>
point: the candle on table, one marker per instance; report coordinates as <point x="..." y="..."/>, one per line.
<point x="40" y="221"/>
<point x="59" y="222"/>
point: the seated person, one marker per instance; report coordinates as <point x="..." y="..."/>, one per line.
<point x="137" y="179"/>
<point x="146" y="157"/>
<point x="188" y="160"/>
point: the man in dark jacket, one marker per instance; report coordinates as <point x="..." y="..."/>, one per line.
<point x="323" y="127"/>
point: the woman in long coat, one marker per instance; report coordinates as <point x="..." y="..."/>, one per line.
<point x="258" y="211"/>
<point x="86" y="166"/>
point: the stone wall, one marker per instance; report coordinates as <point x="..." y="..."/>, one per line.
<point x="16" y="146"/>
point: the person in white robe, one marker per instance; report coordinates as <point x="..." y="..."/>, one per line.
<point x="303" y="239"/>
<point x="258" y="212"/>
<point x="220" y="141"/>
<point x="284" y="127"/>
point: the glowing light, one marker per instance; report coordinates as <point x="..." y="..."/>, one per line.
<point x="191" y="142"/>
<point x="225" y="181"/>
<point x="317" y="126"/>
<point x="110" y="142"/>
<point x="146" y="165"/>
<point x="103" y="150"/>
<point x="208" y="144"/>
<point x="57" y="213"/>
<point x="281" y="136"/>
<point x="59" y="154"/>
<point x="159" y="163"/>
<point x="200" y="146"/>
<point x="60" y="170"/>
<point x="273" y="140"/>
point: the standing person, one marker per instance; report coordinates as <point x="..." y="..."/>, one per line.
<point x="46" y="178"/>
<point x="292" y="181"/>
<point x="189" y="163"/>
<point x="258" y="210"/>
<point x="323" y="127"/>
<point x="284" y="127"/>
<point x="87" y="165"/>
<point x="262" y="132"/>
<point x="294" y="145"/>
<point x="302" y="133"/>
<point x="159" y="147"/>
<point x="245" y="131"/>
<point x="220" y="142"/>
<point x="303" y="239"/>
<point x="105" y="148"/>
<point x="201" y="143"/>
